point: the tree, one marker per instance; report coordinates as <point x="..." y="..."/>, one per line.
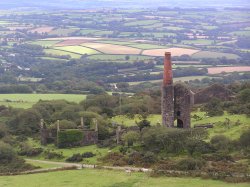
<point x="7" y="154"/>
<point x="127" y="57"/>
<point x="245" y="139"/>
<point x="244" y="96"/>
<point x="25" y="122"/>
<point x="131" y="137"/>
<point x="144" y="122"/>
<point x="214" y="107"/>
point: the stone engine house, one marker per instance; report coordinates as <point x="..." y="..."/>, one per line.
<point x="177" y="99"/>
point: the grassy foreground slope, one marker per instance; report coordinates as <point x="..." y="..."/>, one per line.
<point x="105" y="178"/>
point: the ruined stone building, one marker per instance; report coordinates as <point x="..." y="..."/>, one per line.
<point x="50" y="135"/>
<point x="176" y="99"/>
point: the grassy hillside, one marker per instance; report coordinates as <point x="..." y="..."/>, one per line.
<point x="105" y="178"/>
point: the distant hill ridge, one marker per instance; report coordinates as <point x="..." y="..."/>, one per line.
<point x="85" y="4"/>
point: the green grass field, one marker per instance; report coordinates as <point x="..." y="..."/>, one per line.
<point x="175" y="80"/>
<point x="105" y="178"/>
<point x="119" y="58"/>
<point x="198" y="42"/>
<point x="61" y="53"/>
<point x="141" y="23"/>
<point x="99" y="152"/>
<point x="43" y="165"/>
<point x="210" y="54"/>
<point x="45" y="43"/>
<point x="78" y="50"/>
<point x="63" y="32"/>
<point x="27" y="100"/>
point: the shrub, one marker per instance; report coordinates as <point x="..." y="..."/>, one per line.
<point x="10" y="162"/>
<point x="149" y="158"/>
<point x="7" y="154"/>
<point x="26" y="150"/>
<point x="88" y="155"/>
<point x="218" y="157"/>
<point x="245" y="139"/>
<point x="198" y="146"/>
<point x="75" y="158"/>
<point x="190" y="164"/>
<point x="53" y="155"/>
<point x="221" y="142"/>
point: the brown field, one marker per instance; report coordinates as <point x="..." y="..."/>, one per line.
<point x="73" y="38"/>
<point x="217" y="70"/>
<point x="113" y="49"/>
<point x="174" y="51"/>
<point x="41" y="30"/>
<point x="71" y="42"/>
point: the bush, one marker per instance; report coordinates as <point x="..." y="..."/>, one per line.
<point x="75" y="158"/>
<point x="149" y="158"/>
<point x="198" y="146"/>
<point x="218" y="157"/>
<point x="88" y="155"/>
<point x="10" y="162"/>
<point x="244" y="140"/>
<point x="53" y="155"/>
<point x="7" y="154"/>
<point x="190" y="164"/>
<point x="26" y="150"/>
<point x="221" y="142"/>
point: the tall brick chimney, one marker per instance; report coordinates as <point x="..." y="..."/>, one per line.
<point x="168" y="75"/>
<point x="167" y="101"/>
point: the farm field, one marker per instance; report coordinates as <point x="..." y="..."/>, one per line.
<point x="45" y="43"/>
<point x="105" y="178"/>
<point x="147" y="46"/>
<point x="119" y="58"/>
<point x="41" y="30"/>
<point x="217" y="70"/>
<point x="63" y="32"/>
<point x="56" y="52"/>
<point x="78" y="50"/>
<point x="209" y="54"/>
<point x="112" y="49"/>
<point x="174" y="51"/>
<point x="198" y="42"/>
<point x="188" y="78"/>
<point x="27" y="100"/>
<point x="70" y="42"/>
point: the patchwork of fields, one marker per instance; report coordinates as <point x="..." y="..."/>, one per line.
<point x="77" y="46"/>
